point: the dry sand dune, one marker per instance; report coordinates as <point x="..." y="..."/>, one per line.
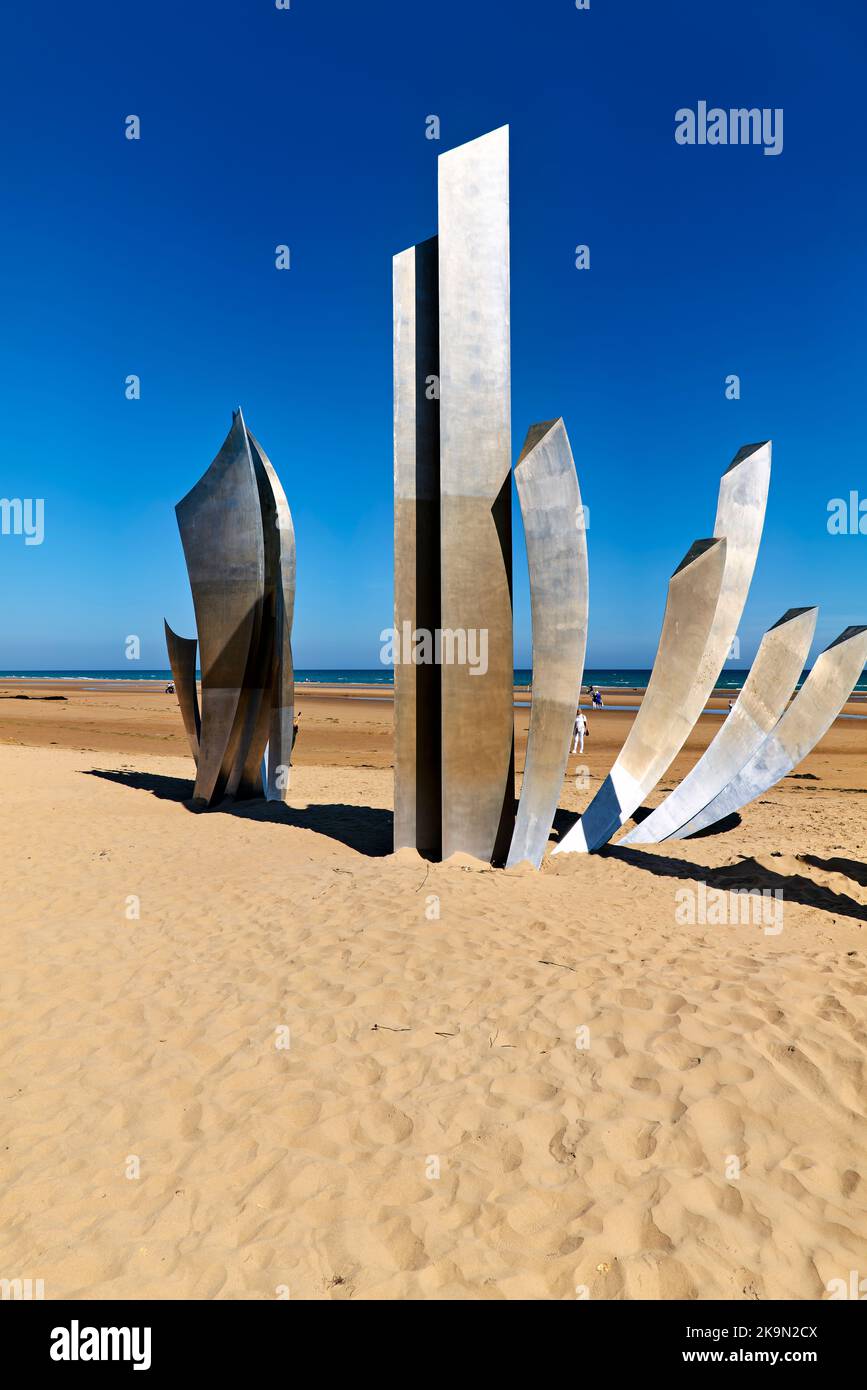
<point x="437" y="1127"/>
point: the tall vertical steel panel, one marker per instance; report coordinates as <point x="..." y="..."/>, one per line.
<point x="417" y="689"/>
<point x="478" y="795"/>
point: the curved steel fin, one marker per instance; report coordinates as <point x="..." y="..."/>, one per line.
<point x="182" y="659"/>
<point x="740" y="519"/>
<point x="740" y="515"/>
<point x="675" y="696"/>
<point x="808" y="718"/>
<point x="557" y="561"/>
<point x="778" y="664"/>
<point x="279" y="701"/>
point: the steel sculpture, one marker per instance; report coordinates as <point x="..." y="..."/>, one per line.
<point x="478" y="782"/>
<point x="280" y="560"/>
<point x="182" y="659"/>
<point x="417" y="716"/>
<point x="454" y="725"/>
<point x="675" y="697"/>
<point x="808" y="718"/>
<point x="778" y="663"/>
<point x="743" y="494"/>
<point x="236" y="531"/>
<point x="554" y="528"/>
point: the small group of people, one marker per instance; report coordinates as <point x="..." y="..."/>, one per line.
<point x="581" y="728"/>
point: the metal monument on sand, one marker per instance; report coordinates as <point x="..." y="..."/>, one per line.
<point x="239" y="544"/>
<point x="454" y="724"/>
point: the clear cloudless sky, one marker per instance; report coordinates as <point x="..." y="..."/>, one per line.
<point x="307" y="127"/>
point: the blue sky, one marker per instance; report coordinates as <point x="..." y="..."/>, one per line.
<point x="307" y="127"/>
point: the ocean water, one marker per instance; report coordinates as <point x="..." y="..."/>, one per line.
<point x="610" y="677"/>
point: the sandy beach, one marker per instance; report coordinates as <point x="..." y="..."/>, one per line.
<point x="253" y="1054"/>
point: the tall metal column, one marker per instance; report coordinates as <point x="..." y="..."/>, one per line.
<point x="475" y="498"/>
<point x="417" y="716"/>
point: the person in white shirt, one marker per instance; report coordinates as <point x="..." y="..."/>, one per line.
<point x="579" y="731"/>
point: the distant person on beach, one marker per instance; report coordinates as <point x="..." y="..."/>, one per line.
<point x="597" y="698"/>
<point x="170" y="689"/>
<point x="731" y="705"/>
<point x="579" y="732"/>
<point x="295" y="728"/>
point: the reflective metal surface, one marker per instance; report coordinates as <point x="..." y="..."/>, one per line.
<point x="675" y="696"/>
<point x="478" y="784"/>
<point x="182" y="659"/>
<point x="279" y="702"/>
<point x="239" y="547"/>
<point x="808" y="718"/>
<point x="740" y="517"/>
<point x="417" y="687"/>
<point x="557" y="561"/>
<point x="777" y="667"/>
<point x="221" y="532"/>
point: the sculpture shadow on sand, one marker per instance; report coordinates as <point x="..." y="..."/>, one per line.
<point x="366" y="829"/>
<point x="748" y="874"/>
